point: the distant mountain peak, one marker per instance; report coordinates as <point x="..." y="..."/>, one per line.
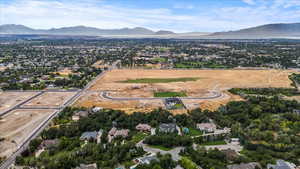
<point x="74" y="30"/>
<point x="274" y="30"/>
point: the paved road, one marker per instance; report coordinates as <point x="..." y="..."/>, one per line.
<point x="20" y="104"/>
<point x="10" y="160"/>
<point x="105" y="94"/>
<point x="174" y="152"/>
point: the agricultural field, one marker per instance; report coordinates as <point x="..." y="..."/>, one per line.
<point x="17" y="125"/>
<point x="138" y="83"/>
<point x="50" y="99"/>
<point x="10" y="99"/>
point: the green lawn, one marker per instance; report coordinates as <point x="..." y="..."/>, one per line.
<point x="138" y="137"/>
<point x="186" y="163"/>
<point x="170" y="94"/>
<point x="161" y="80"/>
<point x="160" y="147"/>
<point x="213" y="143"/>
<point x="160" y="59"/>
<point x="195" y="132"/>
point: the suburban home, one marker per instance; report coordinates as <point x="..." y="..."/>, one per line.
<point x="79" y="114"/>
<point x="168" y="128"/>
<point x="143" y="127"/>
<point x="92" y="135"/>
<point x="144" y="160"/>
<point x="281" y="164"/>
<point x="87" y="166"/>
<point x="252" y="165"/>
<point x="207" y="127"/>
<point x="47" y="144"/>
<point x="114" y="132"/>
<point x="96" y="109"/>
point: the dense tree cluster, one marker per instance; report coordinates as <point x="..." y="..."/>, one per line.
<point x="267" y="127"/>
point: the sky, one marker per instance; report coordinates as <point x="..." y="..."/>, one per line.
<point x="174" y="15"/>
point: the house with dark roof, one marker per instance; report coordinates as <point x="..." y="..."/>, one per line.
<point x="167" y="128"/>
<point x="91" y="135"/>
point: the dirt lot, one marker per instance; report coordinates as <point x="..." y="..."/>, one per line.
<point x="93" y="99"/>
<point x="51" y="99"/>
<point x="65" y="72"/>
<point x="218" y="80"/>
<point x="100" y="64"/>
<point x="10" y="99"/>
<point x="16" y="126"/>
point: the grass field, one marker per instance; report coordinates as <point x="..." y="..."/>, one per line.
<point x="185" y="162"/>
<point x="160" y="147"/>
<point x="170" y="94"/>
<point x="195" y="132"/>
<point x="161" y="80"/>
<point x="138" y="137"/>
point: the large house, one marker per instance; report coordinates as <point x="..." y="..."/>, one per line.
<point x="207" y="127"/>
<point x="114" y="132"/>
<point x="92" y="135"/>
<point x="47" y="144"/>
<point x="281" y="164"/>
<point x="143" y="127"/>
<point x="167" y="128"/>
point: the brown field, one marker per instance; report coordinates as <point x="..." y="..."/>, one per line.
<point x="17" y="125"/>
<point x="65" y="72"/>
<point x="99" y="64"/>
<point x="217" y="80"/>
<point x="10" y="99"/>
<point x="53" y="99"/>
<point x="91" y="99"/>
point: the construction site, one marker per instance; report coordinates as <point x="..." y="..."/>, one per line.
<point x="24" y="112"/>
<point x="134" y="89"/>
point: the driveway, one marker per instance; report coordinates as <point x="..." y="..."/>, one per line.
<point x="174" y="152"/>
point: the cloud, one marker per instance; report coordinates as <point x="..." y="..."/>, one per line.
<point x="103" y="14"/>
<point x="249" y="2"/>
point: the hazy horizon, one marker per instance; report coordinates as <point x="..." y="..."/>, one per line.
<point x="178" y="16"/>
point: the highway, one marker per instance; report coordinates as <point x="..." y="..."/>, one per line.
<point x="10" y="160"/>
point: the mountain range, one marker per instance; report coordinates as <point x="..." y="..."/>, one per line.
<point x="264" y="31"/>
<point x="280" y="30"/>
<point x="79" y="30"/>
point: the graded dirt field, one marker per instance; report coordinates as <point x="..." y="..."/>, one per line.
<point x="17" y="125"/>
<point x="10" y="99"/>
<point x="208" y="80"/>
<point x="65" y="72"/>
<point x="50" y="99"/>
<point x="91" y="99"/>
